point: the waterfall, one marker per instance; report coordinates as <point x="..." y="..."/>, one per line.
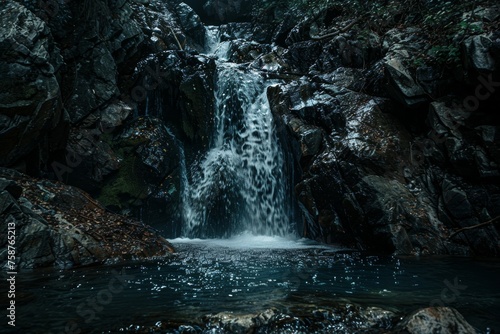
<point x="214" y="46"/>
<point x="240" y="183"/>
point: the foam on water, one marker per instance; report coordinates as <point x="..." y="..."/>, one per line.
<point x="247" y="240"/>
<point x="213" y="44"/>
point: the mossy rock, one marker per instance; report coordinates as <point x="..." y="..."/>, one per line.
<point x="126" y="187"/>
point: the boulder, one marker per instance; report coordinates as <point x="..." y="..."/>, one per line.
<point x="89" y="159"/>
<point x="401" y="83"/>
<point x="351" y="78"/>
<point x="61" y="226"/>
<point x="191" y="25"/>
<point x="401" y="47"/>
<point x="310" y="137"/>
<point x="477" y="54"/>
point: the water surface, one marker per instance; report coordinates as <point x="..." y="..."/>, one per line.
<point x="250" y="274"/>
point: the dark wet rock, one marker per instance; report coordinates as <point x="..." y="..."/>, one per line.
<point x="490" y="137"/>
<point x="236" y="30"/>
<point x="350" y="78"/>
<point x="185" y="83"/>
<point x="285" y="26"/>
<point x="149" y="175"/>
<point x="443" y="320"/>
<point x="158" y="22"/>
<point x="240" y="323"/>
<point x="340" y="318"/>
<point x="11" y="187"/>
<point x="358" y="49"/>
<point x="306" y="318"/>
<point x="95" y="58"/>
<point x="302" y="99"/>
<point x="89" y="157"/>
<point x="114" y="115"/>
<point x="444" y="119"/>
<point x="222" y="11"/>
<point x="362" y="187"/>
<point x="401" y="46"/>
<point x="88" y="161"/>
<point x="310" y="137"/>
<point x="58" y="225"/>
<point x="453" y="203"/>
<point x="477" y="54"/>
<point x="31" y="113"/>
<point x="433" y="81"/>
<point x="344" y="318"/>
<point x="387" y="208"/>
<point x="301" y="56"/>
<point x="401" y="83"/>
<point x="241" y="51"/>
<point x="191" y="25"/>
<point x="451" y="132"/>
<point x="272" y="62"/>
<point x="95" y="84"/>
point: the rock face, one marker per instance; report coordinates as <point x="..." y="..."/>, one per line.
<point x="388" y="162"/>
<point x="184" y="95"/>
<point x="32" y="119"/>
<point x="69" y="111"/>
<point x="61" y="226"/>
<point x="361" y="178"/>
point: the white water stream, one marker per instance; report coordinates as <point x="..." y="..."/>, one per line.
<point x="239" y="184"/>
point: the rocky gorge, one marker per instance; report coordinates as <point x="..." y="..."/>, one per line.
<point x="386" y="113"/>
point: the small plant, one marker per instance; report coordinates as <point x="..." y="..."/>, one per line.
<point x="445" y="54"/>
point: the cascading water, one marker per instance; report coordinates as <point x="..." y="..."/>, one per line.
<point x="240" y="183"/>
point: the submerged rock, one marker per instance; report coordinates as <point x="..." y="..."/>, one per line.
<point x="344" y="318"/>
<point x="443" y="320"/>
<point x="240" y="323"/>
<point x="61" y="226"/>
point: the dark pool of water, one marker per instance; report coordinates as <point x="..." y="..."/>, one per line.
<point x="214" y="276"/>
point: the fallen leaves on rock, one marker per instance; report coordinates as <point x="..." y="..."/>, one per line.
<point x="105" y="235"/>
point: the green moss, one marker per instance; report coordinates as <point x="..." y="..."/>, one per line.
<point x="125" y="187"/>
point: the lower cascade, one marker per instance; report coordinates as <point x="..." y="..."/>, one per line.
<point x="240" y="183"/>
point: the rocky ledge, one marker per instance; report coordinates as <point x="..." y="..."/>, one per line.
<point x="62" y="226"/>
